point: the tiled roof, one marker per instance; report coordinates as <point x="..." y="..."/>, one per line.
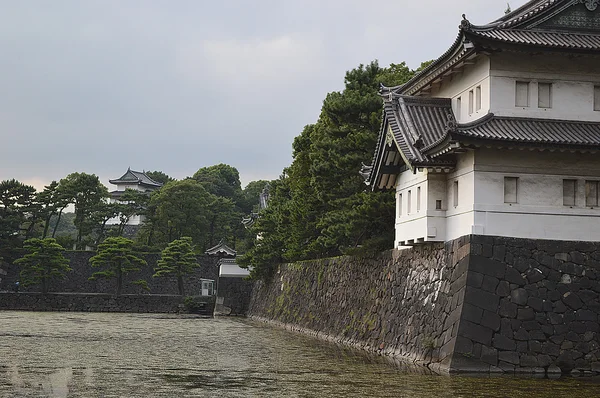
<point x="533" y="131"/>
<point x="570" y="26"/>
<point x="138" y="177"/>
<point x="559" y="40"/>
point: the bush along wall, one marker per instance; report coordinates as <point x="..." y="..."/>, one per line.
<point x="476" y="304"/>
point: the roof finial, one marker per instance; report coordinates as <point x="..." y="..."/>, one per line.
<point x="508" y="10"/>
<point x="465" y="24"/>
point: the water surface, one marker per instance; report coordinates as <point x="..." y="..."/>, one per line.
<point x="150" y="355"/>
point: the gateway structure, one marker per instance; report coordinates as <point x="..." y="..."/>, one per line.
<point x="500" y="135"/>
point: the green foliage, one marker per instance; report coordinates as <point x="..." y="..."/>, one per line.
<point x="220" y="180"/>
<point x="117" y="258"/>
<point x="43" y="262"/>
<point x="179" y="259"/>
<point x="159" y="176"/>
<point x="195" y="304"/>
<point x="16" y="205"/>
<point x="320" y="206"/>
<point x="87" y="193"/>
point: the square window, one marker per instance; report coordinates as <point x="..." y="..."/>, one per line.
<point x="522" y="94"/>
<point x="569" y="191"/>
<point x="597" y="98"/>
<point x="591" y="193"/>
<point x="544" y="95"/>
<point x="438" y="204"/>
<point x="510" y="189"/>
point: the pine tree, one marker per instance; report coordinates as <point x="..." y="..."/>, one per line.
<point x="177" y="258"/>
<point x="44" y="261"/>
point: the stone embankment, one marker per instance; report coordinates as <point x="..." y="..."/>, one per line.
<point x="91" y="302"/>
<point x="477" y="304"/>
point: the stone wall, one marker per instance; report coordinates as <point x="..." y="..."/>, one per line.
<point x="483" y="304"/>
<point x="77" y="280"/>
<point x="234" y="295"/>
<point x="90" y="302"/>
<point x="530" y="306"/>
<point x="406" y="304"/>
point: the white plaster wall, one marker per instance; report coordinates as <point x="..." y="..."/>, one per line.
<point x="232" y="271"/>
<point x="539" y="212"/>
<point x="459" y="85"/>
<point x="459" y="220"/>
<point x="572" y="79"/>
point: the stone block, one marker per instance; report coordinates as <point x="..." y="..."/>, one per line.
<point x="491" y="320"/>
<point x="525" y="314"/>
<point x="503" y="289"/>
<point x="572" y="300"/>
<point x="489" y="355"/>
<point x="507" y="309"/>
<point x="482" y="299"/>
<point x="504" y="343"/>
<point x="586" y="315"/>
<point x="474" y="279"/>
<point x="519" y="296"/>
<point x="463" y="345"/>
<point x="529" y="361"/>
<point x="514" y="276"/>
<point x="471" y="313"/>
<point x="489" y="284"/>
<point x="475" y="332"/>
<point x="510" y="357"/>
<point x="536" y="303"/>
<point x="487" y="266"/>
<point x="521" y="334"/>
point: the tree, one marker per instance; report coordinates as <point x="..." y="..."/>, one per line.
<point x="117" y="257"/>
<point x="177" y="258"/>
<point x="159" y="176"/>
<point x="320" y="206"/>
<point x="130" y="204"/>
<point x="220" y="180"/>
<point x="44" y="261"/>
<point x="87" y="193"/>
<point x="251" y="195"/>
<point x="16" y="208"/>
<point x="179" y="208"/>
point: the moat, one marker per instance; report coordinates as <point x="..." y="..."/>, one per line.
<point x="149" y="355"/>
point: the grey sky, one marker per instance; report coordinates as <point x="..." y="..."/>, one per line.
<point x="174" y="85"/>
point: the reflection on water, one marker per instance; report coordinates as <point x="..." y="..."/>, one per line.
<point x="134" y="355"/>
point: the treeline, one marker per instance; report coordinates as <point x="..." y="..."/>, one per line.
<point x="320" y="206"/>
<point x="206" y="207"/>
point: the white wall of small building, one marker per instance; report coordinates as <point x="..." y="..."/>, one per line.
<point x="461" y="83"/>
<point x="538" y="213"/>
<point x="572" y="79"/>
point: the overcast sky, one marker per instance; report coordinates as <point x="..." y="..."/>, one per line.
<point x="175" y="85"/>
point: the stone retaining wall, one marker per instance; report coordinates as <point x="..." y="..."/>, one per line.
<point x="479" y="303"/>
<point x="90" y="302"/>
<point x="77" y="280"/>
<point x="235" y="295"/>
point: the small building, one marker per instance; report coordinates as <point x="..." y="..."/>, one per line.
<point x="137" y="181"/>
<point x="500" y="135"/>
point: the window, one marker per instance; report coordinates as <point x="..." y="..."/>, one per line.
<point x="478" y="98"/>
<point x="544" y="95"/>
<point x="597" y="98"/>
<point x="470" y="102"/>
<point x="408" y="202"/>
<point x="522" y="94"/>
<point x="455" y="193"/>
<point x="458" y="107"/>
<point x="591" y="193"/>
<point x="399" y="205"/>
<point x="438" y="204"/>
<point x="510" y="189"/>
<point x="418" y="199"/>
<point x="569" y="190"/>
